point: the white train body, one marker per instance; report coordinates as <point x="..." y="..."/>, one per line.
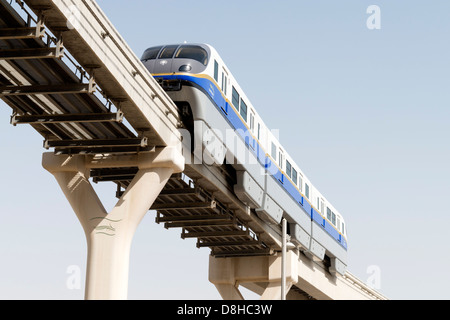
<point x="269" y="180"/>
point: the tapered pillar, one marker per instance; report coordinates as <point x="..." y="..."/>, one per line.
<point x="109" y="235"/>
<point x="229" y="291"/>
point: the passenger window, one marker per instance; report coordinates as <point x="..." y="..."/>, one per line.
<point x="252" y="121"/>
<point x="243" y="110"/>
<point x="339" y="224"/>
<point x="333" y="218"/>
<point x="300" y="183"/>
<point x="288" y="169"/>
<point x="235" y="99"/>
<point x="274" y="151"/>
<point x="294" y="176"/>
<point x="259" y="131"/>
<point x="322" y="206"/>
<point x="328" y="214"/>
<point x="306" y="190"/>
<point x="167" y="52"/>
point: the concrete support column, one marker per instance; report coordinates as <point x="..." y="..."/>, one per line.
<point x="259" y="274"/>
<point x="221" y="274"/>
<point x="109" y="235"/>
<point x="229" y="291"/>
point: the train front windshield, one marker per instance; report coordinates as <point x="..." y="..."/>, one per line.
<point x="151" y="54"/>
<point x="196" y="53"/>
<point x="193" y="52"/>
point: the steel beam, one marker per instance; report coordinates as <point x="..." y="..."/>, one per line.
<point x="207" y="234"/>
<point x="242" y="253"/>
<point x="67" y="118"/>
<point x="179" y="192"/>
<point x="136" y="142"/>
<point x="101" y="150"/>
<point x="193" y="218"/>
<point x="215" y="244"/>
<point x="35" y="53"/>
<point x="187" y="224"/>
<point x="113" y="172"/>
<point x="22" y="33"/>
<point x="75" y="88"/>
<point x="186" y="205"/>
<point x="114" y="179"/>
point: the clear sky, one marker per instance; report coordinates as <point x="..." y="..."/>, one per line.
<point x="365" y="113"/>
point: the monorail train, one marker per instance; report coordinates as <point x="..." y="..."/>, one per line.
<point x="269" y="181"/>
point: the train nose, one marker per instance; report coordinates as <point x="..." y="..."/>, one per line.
<point x="163" y="66"/>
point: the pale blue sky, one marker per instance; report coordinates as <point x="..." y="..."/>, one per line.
<point x="365" y="113"/>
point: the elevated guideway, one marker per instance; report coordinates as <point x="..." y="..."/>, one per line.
<point x="33" y="65"/>
<point x="66" y="71"/>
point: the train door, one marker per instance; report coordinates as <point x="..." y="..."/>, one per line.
<point x="224" y="82"/>
<point x="252" y="129"/>
<point x="281" y="159"/>
<point x="252" y="121"/>
<point x="281" y="163"/>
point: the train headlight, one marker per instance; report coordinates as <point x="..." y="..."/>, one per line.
<point x="185" y="68"/>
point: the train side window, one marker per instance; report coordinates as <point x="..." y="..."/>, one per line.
<point x="328" y="214"/>
<point x="300" y="183"/>
<point x="244" y="110"/>
<point x="259" y="131"/>
<point x="274" y="151"/>
<point x="216" y="71"/>
<point x="294" y="176"/>
<point x="288" y="169"/>
<point x="343" y="229"/>
<point x="306" y="190"/>
<point x="252" y="121"/>
<point x="338" y="224"/>
<point x="333" y="218"/>
<point x="235" y="99"/>
<point x="322" y="206"/>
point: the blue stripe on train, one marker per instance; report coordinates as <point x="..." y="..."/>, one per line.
<point x="254" y="146"/>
